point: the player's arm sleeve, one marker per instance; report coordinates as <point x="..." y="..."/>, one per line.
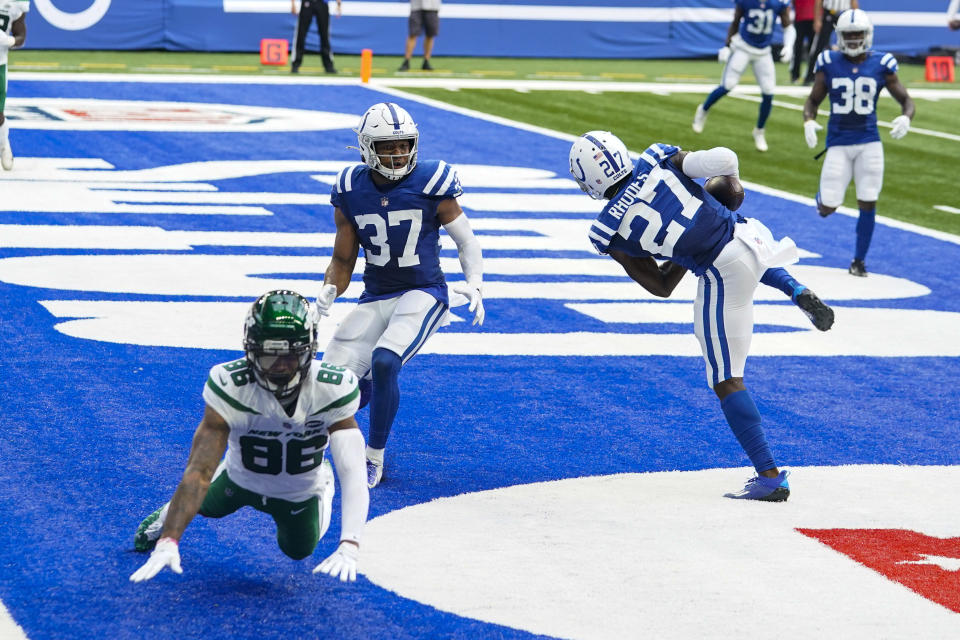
<point x="468" y="249"/>
<point x="719" y="161"/>
<point x="347" y="449"/>
<point x="953" y="10"/>
<point x="789" y="34"/>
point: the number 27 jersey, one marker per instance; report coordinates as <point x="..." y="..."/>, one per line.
<point x="397" y="227"/>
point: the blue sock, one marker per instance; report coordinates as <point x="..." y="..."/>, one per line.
<point x="766" y="106"/>
<point x="385" y="397"/>
<point x="366" y="388"/>
<point x="744" y="420"/>
<point x="865" y="224"/>
<point x="715" y="95"/>
<point x="780" y="278"/>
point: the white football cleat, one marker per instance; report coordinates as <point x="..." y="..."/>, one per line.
<point x="374" y="473"/>
<point x="6" y="158"/>
<point x="699" y="119"/>
<point x="760" y="140"/>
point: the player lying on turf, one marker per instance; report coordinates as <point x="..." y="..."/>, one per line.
<point x="657" y="211"/>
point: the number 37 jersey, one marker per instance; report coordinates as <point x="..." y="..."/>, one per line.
<point x="398" y="227"/>
<point x="269" y="452"/>
<point x="854" y="89"/>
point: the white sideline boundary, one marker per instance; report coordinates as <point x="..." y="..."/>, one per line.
<point x="395" y="86"/>
<point x="9" y="629"/>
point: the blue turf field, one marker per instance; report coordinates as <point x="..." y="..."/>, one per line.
<point x="97" y="431"/>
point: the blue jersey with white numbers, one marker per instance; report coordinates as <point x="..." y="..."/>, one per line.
<point x="664" y="214"/>
<point x="397" y="226"/>
<point x="759" y="16"/>
<point x="854" y="89"/>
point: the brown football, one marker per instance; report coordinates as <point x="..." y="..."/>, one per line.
<point x="727" y="190"/>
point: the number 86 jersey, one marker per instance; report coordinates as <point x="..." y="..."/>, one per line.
<point x="269" y="452"/>
<point x="397" y="227"/>
<point x="854" y="89"/>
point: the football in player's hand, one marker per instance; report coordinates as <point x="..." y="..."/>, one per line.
<point x="727" y="190"/>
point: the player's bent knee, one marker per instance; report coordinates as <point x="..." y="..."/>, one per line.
<point x="385" y="362"/>
<point x="296" y="549"/>
<point x="728" y="386"/>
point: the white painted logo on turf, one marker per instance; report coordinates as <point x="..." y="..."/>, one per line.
<point x="72" y="21"/>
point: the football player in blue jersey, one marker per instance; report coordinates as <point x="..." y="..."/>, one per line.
<point x="748" y="42"/>
<point x="657" y="211"/>
<point x="393" y="205"/>
<point x="853" y="79"/>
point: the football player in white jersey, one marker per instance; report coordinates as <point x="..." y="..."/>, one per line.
<point x="854" y="78"/>
<point x="393" y="205"/>
<point x="275" y="412"/>
<point x="13" y="32"/>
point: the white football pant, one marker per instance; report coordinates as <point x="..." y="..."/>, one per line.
<point x="742" y="54"/>
<point x="862" y="162"/>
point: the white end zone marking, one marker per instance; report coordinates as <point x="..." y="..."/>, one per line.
<point x="9" y="629"/>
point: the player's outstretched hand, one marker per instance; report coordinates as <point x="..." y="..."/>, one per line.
<point x="901" y="125"/>
<point x="723" y="55"/>
<point x="328" y="293"/>
<point x="165" y="554"/>
<point x="473" y="294"/>
<point x="810" y="128"/>
<point x="342" y="563"/>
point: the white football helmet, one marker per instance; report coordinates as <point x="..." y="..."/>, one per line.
<point x="599" y="160"/>
<point x="854" y="32"/>
<point x="387" y="121"/>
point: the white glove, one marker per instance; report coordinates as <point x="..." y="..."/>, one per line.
<point x="723" y="54"/>
<point x="810" y="128"/>
<point x="472" y="293"/>
<point x="342" y="563"/>
<point x="901" y="125"/>
<point x="165" y="554"/>
<point x="786" y="55"/>
<point x="7" y="41"/>
<point x="325" y="299"/>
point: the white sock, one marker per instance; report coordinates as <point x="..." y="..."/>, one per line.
<point x="375" y="455"/>
<point x="4" y="134"/>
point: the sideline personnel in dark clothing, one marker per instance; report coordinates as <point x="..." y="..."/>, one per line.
<point x="310" y="9"/>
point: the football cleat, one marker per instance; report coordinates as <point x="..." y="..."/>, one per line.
<point x="765" y="489"/>
<point x="6" y="158"/>
<point x="374" y="473"/>
<point x="759" y="140"/>
<point x="699" y="119"/>
<point x="149" y="530"/>
<point x="404" y="66"/>
<point x="819" y="313"/>
<point x="426" y="66"/>
<point x="858" y="268"/>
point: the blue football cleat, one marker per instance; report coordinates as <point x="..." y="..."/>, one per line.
<point x="766" y="489"/>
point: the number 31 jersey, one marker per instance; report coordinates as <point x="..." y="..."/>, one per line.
<point x="854" y="89"/>
<point x="10" y="12"/>
<point x="397" y="226"/>
<point x="269" y="452"/>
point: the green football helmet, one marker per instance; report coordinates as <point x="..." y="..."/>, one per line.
<point x="280" y="340"/>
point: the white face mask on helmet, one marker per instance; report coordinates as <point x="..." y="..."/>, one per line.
<point x="599" y="160"/>
<point x="854" y="32"/>
<point x="382" y="122"/>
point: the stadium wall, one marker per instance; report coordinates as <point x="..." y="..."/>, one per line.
<point x="535" y="28"/>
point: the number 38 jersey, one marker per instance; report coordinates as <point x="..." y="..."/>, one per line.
<point x="10" y="12"/>
<point x="854" y="89"/>
<point x="397" y="226"/>
<point x="269" y="452"/>
<point x="662" y="213"/>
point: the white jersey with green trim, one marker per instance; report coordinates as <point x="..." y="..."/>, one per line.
<point x="269" y="452"/>
<point x="10" y="12"/>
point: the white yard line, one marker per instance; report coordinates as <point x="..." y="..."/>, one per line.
<point x="395" y="86"/>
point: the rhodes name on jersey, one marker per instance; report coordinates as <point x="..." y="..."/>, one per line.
<point x="269" y="452"/>
<point x="664" y="214"/>
<point x="854" y="89"/>
<point x="398" y="227"/>
<point x="759" y="16"/>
